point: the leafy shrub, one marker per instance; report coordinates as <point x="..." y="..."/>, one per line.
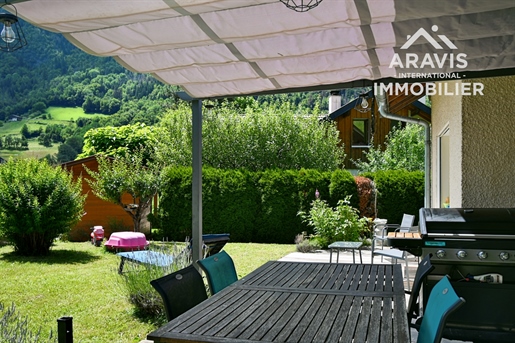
<point x="341" y="185"/>
<point x="341" y="223"/>
<point x="37" y="204"/>
<point x="305" y="244"/>
<point x="309" y="182"/>
<point x="175" y="201"/>
<point x="404" y="149"/>
<point x="230" y="202"/>
<point x="156" y="234"/>
<point x="15" y="329"/>
<point x="275" y="137"/>
<point x="366" y="197"/>
<point x="135" y="281"/>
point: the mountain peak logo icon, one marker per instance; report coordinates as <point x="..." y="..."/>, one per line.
<point x="423" y="33"/>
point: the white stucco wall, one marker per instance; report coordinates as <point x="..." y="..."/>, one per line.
<point x="489" y="145"/>
<point x="446" y="113"/>
<point x="482" y="143"/>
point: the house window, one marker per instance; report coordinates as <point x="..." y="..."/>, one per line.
<point x="360" y="133"/>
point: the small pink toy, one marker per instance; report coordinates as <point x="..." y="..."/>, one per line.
<point x="127" y="241"/>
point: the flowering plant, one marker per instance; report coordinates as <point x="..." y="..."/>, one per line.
<point x="341" y="223"/>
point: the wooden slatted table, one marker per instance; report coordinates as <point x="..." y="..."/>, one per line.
<point x="300" y="302"/>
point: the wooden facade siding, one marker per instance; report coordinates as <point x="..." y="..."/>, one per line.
<point x="378" y="129"/>
<point x="98" y="212"/>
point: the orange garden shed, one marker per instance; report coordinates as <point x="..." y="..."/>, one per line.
<point x="97" y="211"/>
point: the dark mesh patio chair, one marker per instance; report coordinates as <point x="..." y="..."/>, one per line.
<point x="180" y="291"/>
<point x="443" y="300"/>
<point x="424" y="268"/>
<point x="212" y="243"/>
<point x="220" y="271"/>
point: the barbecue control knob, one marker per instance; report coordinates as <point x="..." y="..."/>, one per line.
<point x="440" y="253"/>
<point x="461" y="254"/>
<point x="482" y="255"/>
<point x="504" y="256"/>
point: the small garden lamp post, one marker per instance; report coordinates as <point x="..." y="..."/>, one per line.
<point x="12" y="36"/>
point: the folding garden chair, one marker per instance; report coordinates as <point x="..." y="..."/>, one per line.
<point x="220" y="271"/>
<point x="180" y="291"/>
<point x="443" y="300"/>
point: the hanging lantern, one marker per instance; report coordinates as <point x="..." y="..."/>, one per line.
<point x="301" y="5"/>
<point x="363" y="103"/>
<point x="12" y="37"/>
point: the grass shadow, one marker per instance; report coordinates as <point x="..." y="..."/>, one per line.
<point x="144" y="317"/>
<point x="54" y="257"/>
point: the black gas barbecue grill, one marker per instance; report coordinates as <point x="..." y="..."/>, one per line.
<point x="476" y="248"/>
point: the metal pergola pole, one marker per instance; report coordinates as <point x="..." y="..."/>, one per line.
<point x="196" y="109"/>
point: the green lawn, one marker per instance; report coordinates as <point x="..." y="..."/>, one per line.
<point x="69" y="113"/>
<point x="81" y="281"/>
<point x="60" y="115"/>
<point x="11" y="128"/>
<point x="36" y="150"/>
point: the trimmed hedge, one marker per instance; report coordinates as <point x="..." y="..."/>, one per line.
<point x="399" y="192"/>
<point x="251" y="206"/>
<point x="230" y="203"/>
<point x="343" y="184"/>
<point x="262" y="207"/>
<point x="174" y="208"/>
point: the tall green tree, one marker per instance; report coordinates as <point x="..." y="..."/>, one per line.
<point x="120" y="141"/>
<point x="404" y="149"/>
<point x="25" y="131"/>
<point x="65" y="153"/>
<point x="256" y="140"/>
<point x="37" y="204"/>
<point x="129" y="174"/>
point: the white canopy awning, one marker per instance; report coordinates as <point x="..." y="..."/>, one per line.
<point x="215" y="48"/>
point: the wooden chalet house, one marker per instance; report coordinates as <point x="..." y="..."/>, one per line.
<point x="360" y="127"/>
<point x="98" y="212"/>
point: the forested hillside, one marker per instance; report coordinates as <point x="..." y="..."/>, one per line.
<point x="52" y="73"/>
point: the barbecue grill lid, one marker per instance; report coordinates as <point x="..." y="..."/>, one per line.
<point x="478" y="221"/>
